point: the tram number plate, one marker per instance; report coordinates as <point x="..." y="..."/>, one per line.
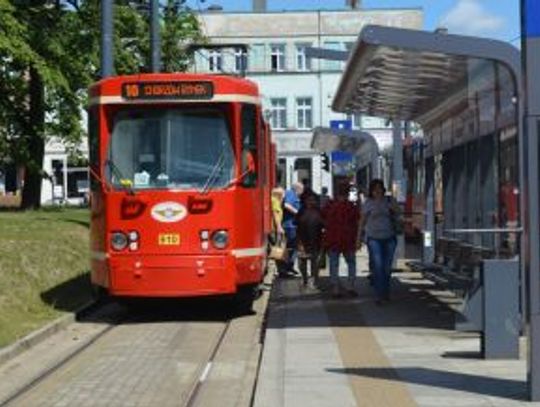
<point x="168" y="239"/>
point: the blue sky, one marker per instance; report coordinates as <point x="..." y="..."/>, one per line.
<point x="488" y="18"/>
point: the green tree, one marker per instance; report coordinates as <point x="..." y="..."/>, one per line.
<point x="180" y="29"/>
<point x="16" y="56"/>
<point x="49" y="54"/>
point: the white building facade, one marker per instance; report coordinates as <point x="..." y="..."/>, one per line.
<point x="64" y="183"/>
<point x="297" y="91"/>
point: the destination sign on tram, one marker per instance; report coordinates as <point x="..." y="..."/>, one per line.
<point x="168" y="90"/>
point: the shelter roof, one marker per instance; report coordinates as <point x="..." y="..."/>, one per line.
<point x="405" y="74"/>
<point x="359" y="143"/>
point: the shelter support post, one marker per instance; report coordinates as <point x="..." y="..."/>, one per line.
<point x="532" y="131"/>
<point x="429" y="238"/>
<point x="530" y="11"/>
<point x="398" y="182"/>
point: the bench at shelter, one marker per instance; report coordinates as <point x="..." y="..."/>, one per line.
<point x="483" y="281"/>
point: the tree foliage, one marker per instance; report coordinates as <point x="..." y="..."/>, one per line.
<point x="49" y="55"/>
<point x="180" y="29"/>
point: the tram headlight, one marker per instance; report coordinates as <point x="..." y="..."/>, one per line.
<point x="220" y="239"/>
<point x="119" y="241"/>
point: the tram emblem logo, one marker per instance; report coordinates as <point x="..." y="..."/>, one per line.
<point x="168" y="212"/>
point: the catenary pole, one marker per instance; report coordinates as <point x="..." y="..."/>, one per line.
<point x="530" y="45"/>
<point x="155" y="40"/>
<point x="106" y="38"/>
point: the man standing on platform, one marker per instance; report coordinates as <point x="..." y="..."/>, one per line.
<point x="291" y="206"/>
<point x="341" y="218"/>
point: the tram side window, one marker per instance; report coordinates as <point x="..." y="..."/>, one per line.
<point x="249" y="146"/>
<point x="93" y="146"/>
<point x="262" y="138"/>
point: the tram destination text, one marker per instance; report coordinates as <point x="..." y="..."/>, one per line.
<point x="168" y="90"/>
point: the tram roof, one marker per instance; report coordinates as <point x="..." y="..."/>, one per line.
<point x="406" y="74"/>
<point x="359" y="143"/>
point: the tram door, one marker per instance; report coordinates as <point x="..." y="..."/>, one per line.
<point x="282" y="172"/>
<point x="302" y="166"/>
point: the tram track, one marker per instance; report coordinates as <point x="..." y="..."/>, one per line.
<point x="181" y="353"/>
<point x="205" y="368"/>
<point x="49" y="371"/>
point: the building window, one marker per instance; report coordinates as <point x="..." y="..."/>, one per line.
<point x="214" y="61"/>
<point x="302" y="62"/>
<point x="240" y="60"/>
<point x="257" y="57"/>
<point x="329" y="64"/>
<point x="349" y="46"/>
<point x="356" y="120"/>
<point x="304" y="113"/>
<point x="278" y="112"/>
<point x="277" y="57"/>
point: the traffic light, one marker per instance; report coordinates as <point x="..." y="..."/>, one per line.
<point x="325" y="161"/>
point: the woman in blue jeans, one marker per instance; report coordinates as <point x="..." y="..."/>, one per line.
<point x="379" y="212"/>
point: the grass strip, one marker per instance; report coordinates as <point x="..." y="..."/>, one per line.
<point x="43" y="268"/>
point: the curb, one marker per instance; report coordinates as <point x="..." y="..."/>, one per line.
<point x="38" y="336"/>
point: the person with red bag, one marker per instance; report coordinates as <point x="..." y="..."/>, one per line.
<point x="341" y="219"/>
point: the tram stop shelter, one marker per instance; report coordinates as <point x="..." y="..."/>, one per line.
<point x="360" y="144"/>
<point x="466" y="95"/>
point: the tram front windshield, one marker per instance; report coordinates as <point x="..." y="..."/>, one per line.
<point x="171" y="148"/>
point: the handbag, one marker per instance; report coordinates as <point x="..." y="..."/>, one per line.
<point x="397" y="222"/>
<point x="278" y="250"/>
<point x="396" y="219"/>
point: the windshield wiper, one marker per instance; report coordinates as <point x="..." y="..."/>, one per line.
<point x="116" y="171"/>
<point x="213" y="174"/>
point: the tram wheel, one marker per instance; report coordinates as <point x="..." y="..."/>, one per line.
<point x="99" y="294"/>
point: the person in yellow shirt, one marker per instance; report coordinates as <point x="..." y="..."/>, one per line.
<point x="277" y="211"/>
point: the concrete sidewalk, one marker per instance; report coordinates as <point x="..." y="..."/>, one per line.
<point x="321" y="351"/>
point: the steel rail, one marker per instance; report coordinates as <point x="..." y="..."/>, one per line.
<point x="205" y="368"/>
<point x="49" y="371"/>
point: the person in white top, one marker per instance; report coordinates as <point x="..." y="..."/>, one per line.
<point x="378" y="221"/>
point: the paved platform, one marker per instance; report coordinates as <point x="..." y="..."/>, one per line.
<point x="321" y="351"/>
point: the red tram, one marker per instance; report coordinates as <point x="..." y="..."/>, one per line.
<point x="181" y="169"/>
